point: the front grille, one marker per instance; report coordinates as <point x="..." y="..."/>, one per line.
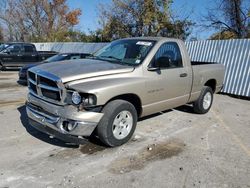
<point x="45" y="86"/>
<point x="55" y="95"/>
<point x="32" y="76"/>
<point x="33" y="87"/>
<point x="47" y="82"/>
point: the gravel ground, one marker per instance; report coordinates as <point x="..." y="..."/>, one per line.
<point x="175" y="148"/>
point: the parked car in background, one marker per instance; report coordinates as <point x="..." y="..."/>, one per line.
<point x="59" y="57"/>
<point x="16" y="55"/>
<point x="2" y="46"/>
<point x="104" y="95"/>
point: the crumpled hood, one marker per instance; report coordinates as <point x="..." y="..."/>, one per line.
<point x="83" y="68"/>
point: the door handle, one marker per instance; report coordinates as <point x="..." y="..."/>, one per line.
<point x="183" y="75"/>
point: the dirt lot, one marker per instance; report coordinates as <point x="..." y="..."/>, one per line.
<point x="175" y="148"/>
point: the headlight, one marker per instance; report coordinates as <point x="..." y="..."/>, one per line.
<point x="76" y="98"/>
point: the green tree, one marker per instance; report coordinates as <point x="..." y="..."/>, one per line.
<point x="133" y="18"/>
<point x="224" y="35"/>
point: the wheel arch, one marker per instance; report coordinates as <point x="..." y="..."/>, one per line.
<point x="132" y="98"/>
<point x="212" y="84"/>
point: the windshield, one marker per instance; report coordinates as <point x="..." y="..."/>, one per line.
<point x="3" y="46"/>
<point x="59" y="57"/>
<point x="130" y="52"/>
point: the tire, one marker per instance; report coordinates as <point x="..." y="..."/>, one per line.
<point x="203" y="104"/>
<point x="119" y="117"/>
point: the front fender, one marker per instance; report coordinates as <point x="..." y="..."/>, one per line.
<point x="106" y="89"/>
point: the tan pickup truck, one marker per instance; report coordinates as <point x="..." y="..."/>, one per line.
<point x="105" y="94"/>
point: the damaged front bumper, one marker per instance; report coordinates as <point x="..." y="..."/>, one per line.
<point x="62" y="122"/>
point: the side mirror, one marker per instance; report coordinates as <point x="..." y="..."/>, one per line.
<point x="163" y="62"/>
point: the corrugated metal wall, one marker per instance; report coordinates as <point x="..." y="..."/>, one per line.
<point x="77" y="47"/>
<point x="234" y="54"/>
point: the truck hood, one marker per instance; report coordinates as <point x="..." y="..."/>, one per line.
<point x="73" y="70"/>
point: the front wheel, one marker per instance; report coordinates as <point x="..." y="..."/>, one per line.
<point x="203" y="104"/>
<point x="118" y="123"/>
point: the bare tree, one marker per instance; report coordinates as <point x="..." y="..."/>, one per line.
<point x="38" y="20"/>
<point x="229" y="17"/>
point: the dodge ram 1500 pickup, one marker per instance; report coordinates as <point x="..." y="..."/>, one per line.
<point x="105" y="94"/>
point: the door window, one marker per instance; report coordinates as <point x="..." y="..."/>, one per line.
<point x="170" y="53"/>
<point x="15" y="48"/>
<point x="28" y="49"/>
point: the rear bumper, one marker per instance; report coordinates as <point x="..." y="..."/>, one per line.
<point x="218" y="88"/>
<point x="61" y="121"/>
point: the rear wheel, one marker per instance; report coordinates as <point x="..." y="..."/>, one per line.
<point x="118" y="123"/>
<point x="203" y="104"/>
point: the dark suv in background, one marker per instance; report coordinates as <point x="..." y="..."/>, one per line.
<point x="18" y="54"/>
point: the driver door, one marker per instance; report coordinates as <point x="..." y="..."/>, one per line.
<point x="169" y="84"/>
<point x="12" y="55"/>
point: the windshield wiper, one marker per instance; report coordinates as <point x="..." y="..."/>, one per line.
<point x="117" y="60"/>
<point x="111" y="57"/>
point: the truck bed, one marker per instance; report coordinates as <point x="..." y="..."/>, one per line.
<point x="202" y="63"/>
<point x="206" y="71"/>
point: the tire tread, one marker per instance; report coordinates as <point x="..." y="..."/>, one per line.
<point x="198" y="104"/>
<point x="102" y="129"/>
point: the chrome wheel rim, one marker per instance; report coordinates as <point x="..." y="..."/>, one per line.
<point x="207" y="100"/>
<point x="122" y="125"/>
